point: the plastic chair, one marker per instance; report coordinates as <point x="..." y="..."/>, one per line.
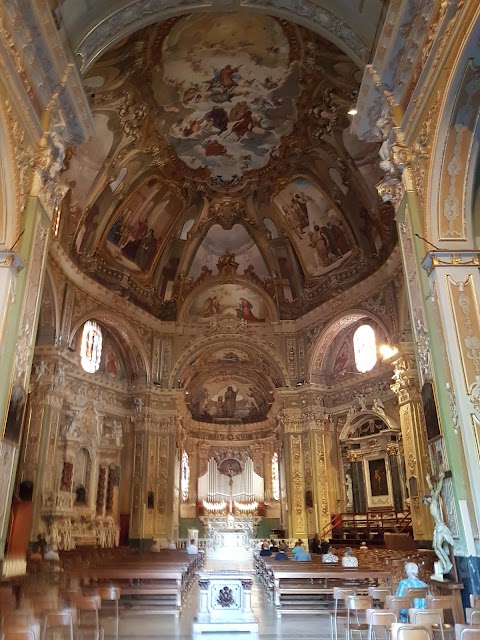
<point x="472" y="616"/>
<point x="464" y="632"/>
<point x="59" y="619"/>
<point x="379" y="594"/>
<point x="88" y="618"/>
<point x="431" y="617"/>
<point x="383" y="619"/>
<point x="339" y="595"/>
<point x="111" y="594"/>
<point x="405" y="631"/>
<point x="357" y="605"/>
<point x="475" y="601"/>
<point x="417" y="592"/>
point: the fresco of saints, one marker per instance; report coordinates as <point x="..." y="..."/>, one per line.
<point x="244" y="311"/>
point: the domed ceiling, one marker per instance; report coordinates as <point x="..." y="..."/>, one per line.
<point x="222" y="153"/>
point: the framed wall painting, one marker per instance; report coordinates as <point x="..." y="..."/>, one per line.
<point x="378" y="482"/>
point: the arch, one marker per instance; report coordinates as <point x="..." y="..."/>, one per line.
<point x="126" y="336"/>
<point x="246" y="342"/>
<point x="332" y="330"/>
<point x="9" y="187"/>
<point x="357" y="418"/>
<point x="112" y="28"/>
<point x="451" y="180"/>
<point x="183" y="315"/>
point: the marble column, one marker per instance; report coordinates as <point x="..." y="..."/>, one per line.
<point x="392" y="452"/>
<point x="358" y="482"/>
<point x="414" y="436"/>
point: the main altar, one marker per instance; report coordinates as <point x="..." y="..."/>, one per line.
<point x="230" y="531"/>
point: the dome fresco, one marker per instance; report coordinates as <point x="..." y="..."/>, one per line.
<point x="225" y="134"/>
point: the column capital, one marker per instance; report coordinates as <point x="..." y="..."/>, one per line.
<point x="405" y="374"/>
<point x="449" y="259"/>
<point x="11" y="260"/>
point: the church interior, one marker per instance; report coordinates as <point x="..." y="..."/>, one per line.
<point x="300" y="178"/>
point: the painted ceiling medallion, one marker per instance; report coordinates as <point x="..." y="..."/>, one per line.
<point x="226" y="90"/>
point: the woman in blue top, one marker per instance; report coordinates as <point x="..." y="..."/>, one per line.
<point x="411" y="581"/>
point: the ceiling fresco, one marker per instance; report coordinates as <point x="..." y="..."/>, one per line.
<point x="217" y="135"/>
<point x="230" y="85"/>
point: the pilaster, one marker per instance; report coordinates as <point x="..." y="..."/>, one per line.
<point x="455" y="285"/>
<point x="412" y="422"/>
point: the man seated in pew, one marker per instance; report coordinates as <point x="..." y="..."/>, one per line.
<point x="315" y="544"/>
<point x="330" y="556"/>
<point x="170" y="544"/>
<point x="412" y="580"/>
<point x="283" y="546"/>
<point x="349" y="560"/>
<point x="273" y="546"/>
<point x="265" y="552"/>
<point x="301" y="555"/>
<point x="363" y="547"/>
<point x="281" y="556"/>
<point x="192" y="548"/>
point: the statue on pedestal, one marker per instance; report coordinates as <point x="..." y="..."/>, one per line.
<point x="442" y="536"/>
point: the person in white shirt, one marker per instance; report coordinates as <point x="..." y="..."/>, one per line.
<point x="171" y="545"/>
<point x="192" y="549"/>
<point x="349" y="560"/>
<point x="330" y="556"/>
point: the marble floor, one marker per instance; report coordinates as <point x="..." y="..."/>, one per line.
<point x="270" y="627"/>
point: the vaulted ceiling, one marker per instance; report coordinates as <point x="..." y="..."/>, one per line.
<point x="222" y="149"/>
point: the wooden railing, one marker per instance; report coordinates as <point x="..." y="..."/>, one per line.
<point x="380" y="521"/>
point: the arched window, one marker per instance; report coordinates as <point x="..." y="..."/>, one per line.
<point x="275" y="478"/>
<point x="365" y="348"/>
<point x="185" y="478"/>
<point x="91" y="348"/>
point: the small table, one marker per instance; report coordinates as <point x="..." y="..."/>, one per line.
<point x="225" y="602"/>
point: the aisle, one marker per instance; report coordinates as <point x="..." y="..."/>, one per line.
<point x="271" y="628"/>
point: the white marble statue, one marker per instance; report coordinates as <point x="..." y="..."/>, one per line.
<point x="349" y="488"/>
<point x="378" y="406"/>
<point x="442" y="536"/>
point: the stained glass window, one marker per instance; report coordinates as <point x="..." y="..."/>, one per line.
<point x="365" y="348"/>
<point x="91" y="349"/>
<point x="275" y="478"/>
<point x="185" y="479"/>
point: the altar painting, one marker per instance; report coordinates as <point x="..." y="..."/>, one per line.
<point x="226" y="97"/>
<point x="378" y="482"/>
<point x="316" y="229"/>
<point x="228" y="300"/>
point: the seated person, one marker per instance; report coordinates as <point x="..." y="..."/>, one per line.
<point x="36" y="552"/>
<point x="265" y="550"/>
<point x="259" y="545"/>
<point x="51" y="554"/>
<point x="315" y="544"/>
<point x="324" y="546"/>
<point x="155" y="547"/>
<point x="349" y="560"/>
<point x="330" y="556"/>
<point x="273" y="546"/>
<point x="171" y="544"/>
<point x="283" y="546"/>
<point x="412" y="580"/>
<point x="363" y="547"/>
<point x="192" y="548"/>
<point x="297" y="547"/>
<point x="301" y="555"/>
<point x="281" y="555"/>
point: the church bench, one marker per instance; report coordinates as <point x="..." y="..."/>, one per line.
<point x="161" y="588"/>
<point x="289" y="584"/>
